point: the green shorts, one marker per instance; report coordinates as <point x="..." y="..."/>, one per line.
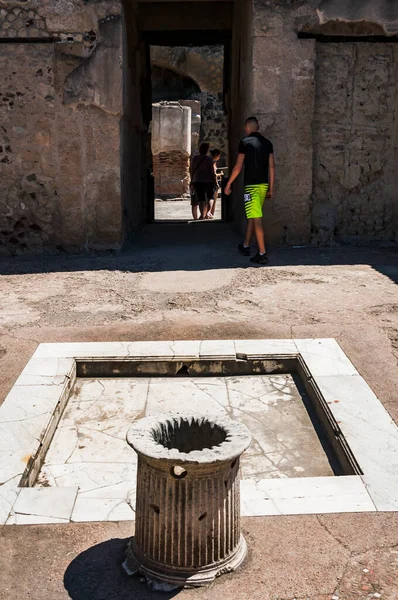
<point x="254" y="197"/>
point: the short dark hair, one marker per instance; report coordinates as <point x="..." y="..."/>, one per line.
<point x="215" y="152"/>
<point x="204" y="148"/>
<point x="251" y="120"/>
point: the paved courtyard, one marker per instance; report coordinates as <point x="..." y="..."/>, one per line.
<point x="177" y="283"/>
<point x="179" y="210"/>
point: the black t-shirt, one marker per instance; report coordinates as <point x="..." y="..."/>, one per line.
<point x="257" y="150"/>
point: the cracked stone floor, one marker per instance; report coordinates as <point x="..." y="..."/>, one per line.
<point x="173" y="287"/>
<point x="90" y="442"/>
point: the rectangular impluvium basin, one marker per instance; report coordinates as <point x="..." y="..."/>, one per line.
<point x="309" y="412"/>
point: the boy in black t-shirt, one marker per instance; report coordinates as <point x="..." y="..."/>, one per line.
<point x="256" y="154"/>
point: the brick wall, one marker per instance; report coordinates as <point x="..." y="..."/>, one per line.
<point x="171" y="172"/>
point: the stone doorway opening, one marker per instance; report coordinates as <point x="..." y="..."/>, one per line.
<point x="182" y="57"/>
<point x="188" y="109"/>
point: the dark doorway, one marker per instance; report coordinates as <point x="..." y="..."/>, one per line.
<point x="169" y="86"/>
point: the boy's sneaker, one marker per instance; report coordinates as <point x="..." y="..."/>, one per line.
<point x="245" y="251"/>
<point x="260" y="259"/>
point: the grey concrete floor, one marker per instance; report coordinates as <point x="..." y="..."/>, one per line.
<point x="176" y="283"/>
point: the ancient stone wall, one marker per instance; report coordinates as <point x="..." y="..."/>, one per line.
<point x="205" y="66"/>
<point x="283" y="99"/>
<point x="60" y="111"/>
<point x="335" y="149"/>
<point x="74" y="152"/>
<point x="20" y="20"/>
<point x="355" y="141"/>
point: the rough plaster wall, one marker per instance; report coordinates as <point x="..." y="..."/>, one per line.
<point x="283" y="94"/>
<point x="205" y="65"/>
<point x="29" y="200"/>
<point x="355" y="142"/>
<point x="94" y="91"/>
<point x="240" y="98"/>
<point x="283" y="99"/>
<point x="54" y="17"/>
<point x="60" y="115"/>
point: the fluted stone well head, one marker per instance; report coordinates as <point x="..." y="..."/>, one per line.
<point x="189" y="438"/>
<point x="188" y="498"/>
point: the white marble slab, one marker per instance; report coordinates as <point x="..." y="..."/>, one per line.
<point x="124" y="490"/>
<point x="13" y="462"/>
<point x="173" y="395"/>
<point x="186" y="349"/>
<point x="46" y="371"/>
<point x="325" y="357"/>
<point x="260" y="348"/>
<point x="82" y="350"/>
<point x="217" y="349"/>
<point x="370" y="432"/>
<point x="25" y="402"/>
<point x="17" y="519"/>
<point x="54" y="503"/>
<point x="121" y="350"/>
<point x="8" y="495"/>
<point x="91" y="477"/>
<point x="166" y="350"/>
<point x="102" y="509"/>
<point x="313" y="495"/>
<point x="15" y="435"/>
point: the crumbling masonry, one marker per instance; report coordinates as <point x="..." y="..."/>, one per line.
<point x="75" y="115"/>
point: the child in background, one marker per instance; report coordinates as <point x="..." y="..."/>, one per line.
<point x="216" y="155"/>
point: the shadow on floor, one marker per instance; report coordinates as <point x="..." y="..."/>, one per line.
<point x="200" y="246"/>
<point x="97" y="574"/>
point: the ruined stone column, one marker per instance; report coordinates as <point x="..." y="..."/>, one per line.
<point x="196" y="119"/>
<point x="188" y="502"/>
<point x="171" y="148"/>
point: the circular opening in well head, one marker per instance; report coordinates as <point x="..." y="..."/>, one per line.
<point x="187" y="435"/>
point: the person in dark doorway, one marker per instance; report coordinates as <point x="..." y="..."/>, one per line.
<point x="256" y="154"/>
<point x="216" y="155"/>
<point x="203" y="181"/>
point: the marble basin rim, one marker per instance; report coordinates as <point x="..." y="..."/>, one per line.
<point x="141" y="437"/>
<point x="358" y="422"/>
